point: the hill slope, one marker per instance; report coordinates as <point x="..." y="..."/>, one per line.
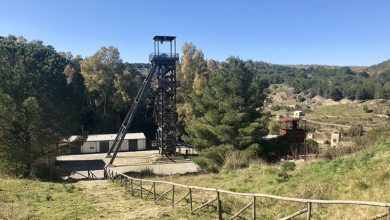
<point x="379" y="68"/>
<point x="364" y="176"/>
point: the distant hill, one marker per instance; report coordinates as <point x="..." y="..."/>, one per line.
<point x="376" y="69"/>
<point x="306" y="66"/>
<point x="379" y="68"/>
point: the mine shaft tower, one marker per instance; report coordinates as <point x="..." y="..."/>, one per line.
<point x="165" y="103"/>
<point x="164" y="66"/>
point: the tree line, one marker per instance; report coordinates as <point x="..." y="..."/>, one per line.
<point x="46" y="96"/>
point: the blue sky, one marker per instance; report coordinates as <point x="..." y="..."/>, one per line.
<point x="334" y="32"/>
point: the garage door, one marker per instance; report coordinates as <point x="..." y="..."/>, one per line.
<point x="104" y="145"/>
<point x="133" y="145"/>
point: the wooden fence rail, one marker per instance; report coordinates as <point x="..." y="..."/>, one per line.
<point x="126" y="180"/>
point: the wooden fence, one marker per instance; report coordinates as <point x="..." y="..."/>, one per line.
<point x="137" y="184"/>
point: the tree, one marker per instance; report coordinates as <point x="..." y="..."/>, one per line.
<point x="192" y="73"/>
<point x="99" y="71"/>
<point x="224" y="111"/>
<point x="335" y="94"/>
<point x="36" y="103"/>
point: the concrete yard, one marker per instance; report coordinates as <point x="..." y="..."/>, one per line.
<point x="127" y="162"/>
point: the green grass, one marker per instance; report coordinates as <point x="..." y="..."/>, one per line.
<point x="341" y="110"/>
<point x="32" y="199"/>
<point x="345" y="114"/>
<point x="364" y="176"/>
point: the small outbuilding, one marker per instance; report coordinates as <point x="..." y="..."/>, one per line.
<point x="335" y="139"/>
<point x="100" y="143"/>
<point x="298" y="114"/>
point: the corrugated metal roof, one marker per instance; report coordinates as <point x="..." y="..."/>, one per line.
<point x="109" y="137"/>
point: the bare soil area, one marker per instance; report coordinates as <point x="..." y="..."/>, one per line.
<point x="114" y="203"/>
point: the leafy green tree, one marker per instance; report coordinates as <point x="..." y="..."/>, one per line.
<point x="99" y="72"/>
<point x="111" y="87"/>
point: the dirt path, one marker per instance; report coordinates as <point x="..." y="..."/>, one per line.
<point x="113" y="203"/>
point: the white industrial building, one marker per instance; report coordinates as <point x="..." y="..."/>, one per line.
<point x="100" y="143"/>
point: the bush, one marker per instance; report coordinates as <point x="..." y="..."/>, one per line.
<point x="234" y="160"/>
<point x="355" y="130"/>
<point x="312" y="146"/>
<point x="146" y="172"/>
<point x="282" y="176"/>
<point x="48" y="196"/>
<point x="251" y="152"/>
<point x="329" y="153"/>
<point x="288" y="166"/>
<point x="42" y="171"/>
<point x="214" y="158"/>
<point x="275" y="107"/>
<point x="216" y="154"/>
<point x="332" y="152"/>
<point x="366" y="109"/>
<point x="273" y="127"/>
<point x="69" y="188"/>
<point x="205" y="164"/>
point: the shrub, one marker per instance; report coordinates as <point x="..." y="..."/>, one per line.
<point x="329" y="153"/>
<point x="69" y="188"/>
<point x="355" y="130"/>
<point x="288" y="166"/>
<point x="275" y="107"/>
<point x="48" y="196"/>
<point x="312" y="146"/>
<point x="201" y="162"/>
<point x="206" y="165"/>
<point x="366" y="109"/>
<point x="45" y="172"/>
<point x="273" y="127"/>
<point x="146" y="172"/>
<point x="234" y="160"/>
<point x="216" y="154"/>
<point x="282" y="176"/>
<point x="251" y="152"/>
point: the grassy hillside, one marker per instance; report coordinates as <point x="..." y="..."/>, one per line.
<point x="364" y="176"/>
<point x="30" y="199"/>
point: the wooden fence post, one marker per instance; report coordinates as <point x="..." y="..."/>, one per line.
<point x="154" y="191"/>
<point x="219" y="207"/>
<point x="173" y="194"/>
<point x="190" y="191"/>
<point x="140" y="183"/>
<point x="309" y="209"/>
<point x="254" y="208"/>
<point x="388" y="213"/>
<point x="131" y="187"/>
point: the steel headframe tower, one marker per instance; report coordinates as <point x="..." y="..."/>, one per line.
<point x="164" y="64"/>
<point x="165" y="103"/>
